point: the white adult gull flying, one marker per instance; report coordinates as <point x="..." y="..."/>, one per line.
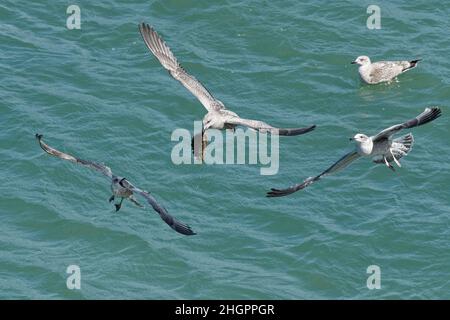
<point x="382" y="71"/>
<point x="121" y="188"/>
<point x="217" y="117"/>
<point x="381" y="148"/>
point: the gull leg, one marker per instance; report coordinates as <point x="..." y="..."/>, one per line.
<point x="204" y="144"/>
<point x="118" y="205"/>
<point x="111" y="199"/>
<point x="395" y="159"/>
<point x="193" y="144"/>
<point x="198" y="145"/>
<point x="133" y="199"/>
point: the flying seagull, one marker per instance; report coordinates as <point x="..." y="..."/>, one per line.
<point x="217" y="117"/>
<point x="381" y="148"/>
<point x="382" y="71"/>
<point x="121" y="188"/>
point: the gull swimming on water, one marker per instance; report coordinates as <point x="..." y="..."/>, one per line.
<point x="217" y="117"/>
<point x="381" y="148"/>
<point x="121" y="188"/>
<point x="382" y="71"/>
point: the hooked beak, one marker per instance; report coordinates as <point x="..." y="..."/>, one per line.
<point x="351" y="139"/>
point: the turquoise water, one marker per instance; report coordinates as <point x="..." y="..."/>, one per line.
<point x="99" y="94"/>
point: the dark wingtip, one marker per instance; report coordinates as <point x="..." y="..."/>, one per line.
<point x="434" y="114"/>
<point x="142" y="28"/>
<point x="187" y="231"/>
<point x="273" y="193"/>
<point x="296" y="132"/>
<point x="414" y="63"/>
<point x="145" y="26"/>
<point x="436" y="110"/>
<point x="292" y="189"/>
<point x="305" y="130"/>
<point x="38" y="136"/>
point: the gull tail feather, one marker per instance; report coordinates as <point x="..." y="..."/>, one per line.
<point x="400" y="147"/>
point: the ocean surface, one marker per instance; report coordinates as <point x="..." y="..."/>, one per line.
<point x="98" y="93"/>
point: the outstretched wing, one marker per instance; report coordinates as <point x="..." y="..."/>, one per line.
<point x="165" y="56"/>
<point x="264" y="127"/>
<point x="93" y="165"/>
<point x="165" y="216"/>
<point x="428" y="115"/>
<point x="339" y="165"/>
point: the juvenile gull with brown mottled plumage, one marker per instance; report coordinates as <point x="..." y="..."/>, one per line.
<point x="120" y="188"/>
<point x="217" y="117"/>
<point x="382" y="71"/>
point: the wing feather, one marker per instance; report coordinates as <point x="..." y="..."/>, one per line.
<point x="165" y="216"/>
<point x="428" y="115"/>
<point x="90" y="164"/>
<point x="338" y="165"/>
<point x="264" y="127"/>
<point x="162" y="52"/>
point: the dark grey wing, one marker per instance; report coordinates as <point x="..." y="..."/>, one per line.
<point x="165" y="56"/>
<point x="165" y="216"/>
<point x="93" y="165"/>
<point x="264" y="127"/>
<point x="340" y="164"/>
<point x="428" y="115"/>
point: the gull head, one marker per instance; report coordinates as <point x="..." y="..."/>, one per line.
<point x="360" y="138"/>
<point x="362" y="60"/>
<point x="364" y="144"/>
<point x="116" y="180"/>
<point x="208" y="121"/>
<point x="206" y="124"/>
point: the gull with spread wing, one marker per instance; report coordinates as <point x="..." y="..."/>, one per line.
<point x="382" y="71"/>
<point x="121" y="188"/>
<point x="381" y="148"/>
<point x="217" y="117"/>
